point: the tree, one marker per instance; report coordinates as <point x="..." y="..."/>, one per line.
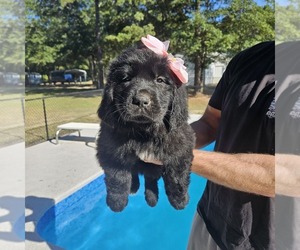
<point x="85" y="33"/>
<point x="220" y="29"/>
<point x="12" y="36"/>
<point x="57" y="35"/>
<point x="100" y="83"/>
<point x="246" y="23"/>
<point x="200" y="38"/>
<point x="44" y="35"/>
<point x="288" y="22"/>
<point x="192" y="27"/>
<point x="124" y="25"/>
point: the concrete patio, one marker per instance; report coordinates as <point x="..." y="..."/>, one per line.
<point x="12" y="193"/>
<point x="53" y="172"/>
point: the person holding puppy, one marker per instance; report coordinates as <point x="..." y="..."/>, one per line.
<point x="236" y="210"/>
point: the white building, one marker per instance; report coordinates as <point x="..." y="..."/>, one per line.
<point x="211" y="76"/>
<point x="213" y="73"/>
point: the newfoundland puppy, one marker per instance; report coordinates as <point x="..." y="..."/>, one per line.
<point x="144" y="115"/>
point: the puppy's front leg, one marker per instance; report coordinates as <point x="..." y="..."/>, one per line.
<point x="135" y="183"/>
<point x="176" y="181"/>
<point x="152" y="173"/>
<point x="118" y="184"/>
<point x="151" y="191"/>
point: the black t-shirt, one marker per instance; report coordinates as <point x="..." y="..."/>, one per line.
<point x="287" y="219"/>
<point x="245" y="96"/>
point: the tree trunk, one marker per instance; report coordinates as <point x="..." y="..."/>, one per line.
<point x="92" y="68"/>
<point x="197" y="80"/>
<point x="100" y="83"/>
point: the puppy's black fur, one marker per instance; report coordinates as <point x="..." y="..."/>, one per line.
<point x="144" y="112"/>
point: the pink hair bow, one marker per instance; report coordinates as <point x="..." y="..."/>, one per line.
<point x="160" y="48"/>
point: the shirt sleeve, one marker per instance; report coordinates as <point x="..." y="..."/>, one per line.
<point x="217" y="97"/>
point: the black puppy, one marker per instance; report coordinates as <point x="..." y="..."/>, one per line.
<point x="144" y="114"/>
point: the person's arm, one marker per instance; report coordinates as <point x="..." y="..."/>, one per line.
<point x="287" y="175"/>
<point x="206" y="127"/>
<point x="253" y="173"/>
<point x="247" y="172"/>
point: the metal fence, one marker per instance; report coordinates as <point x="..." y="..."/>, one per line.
<point x="11" y="120"/>
<point x="43" y="115"/>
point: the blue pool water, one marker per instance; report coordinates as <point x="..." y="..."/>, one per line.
<point x="83" y="221"/>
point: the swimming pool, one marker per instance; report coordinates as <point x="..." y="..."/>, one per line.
<point x="83" y="220"/>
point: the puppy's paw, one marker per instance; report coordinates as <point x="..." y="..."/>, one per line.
<point x="116" y="202"/>
<point x="179" y="202"/>
<point x="151" y="198"/>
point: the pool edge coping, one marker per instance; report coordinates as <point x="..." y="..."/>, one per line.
<point x="32" y="225"/>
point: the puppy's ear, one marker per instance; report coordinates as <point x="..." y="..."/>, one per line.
<point x="106" y="108"/>
<point x="178" y="109"/>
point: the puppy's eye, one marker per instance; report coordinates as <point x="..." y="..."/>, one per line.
<point x="160" y="79"/>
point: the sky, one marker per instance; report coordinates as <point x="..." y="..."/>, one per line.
<point x="279" y="2"/>
<point x="282" y="2"/>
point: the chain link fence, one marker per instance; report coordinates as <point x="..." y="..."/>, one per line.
<point x="11" y="120"/>
<point x="43" y="115"/>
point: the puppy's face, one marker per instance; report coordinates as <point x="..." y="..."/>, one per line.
<point x="141" y="85"/>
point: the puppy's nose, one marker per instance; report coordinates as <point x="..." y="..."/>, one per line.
<point x="142" y="100"/>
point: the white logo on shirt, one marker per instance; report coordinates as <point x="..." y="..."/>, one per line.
<point x="295" y="113"/>
<point x="271" y="110"/>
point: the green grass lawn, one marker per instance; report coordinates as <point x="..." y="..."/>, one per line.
<point x="79" y="107"/>
<point x="12" y="118"/>
<point x="54" y="106"/>
<point x="198" y="103"/>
